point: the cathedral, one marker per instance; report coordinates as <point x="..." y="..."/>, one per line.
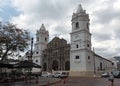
<point x="77" y="57"/>
<point x="57" y="55"/>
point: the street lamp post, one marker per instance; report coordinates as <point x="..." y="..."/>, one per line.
<point x="31" y="54"/>
<point x="94" y="61"/>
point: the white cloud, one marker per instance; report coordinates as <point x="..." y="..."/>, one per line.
<point x="117" y="5"/>
<point x="56" y="15"/>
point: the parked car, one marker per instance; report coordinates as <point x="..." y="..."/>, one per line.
<point x="105" y="74"/>
<point x="61" y="74"/>
<point x="56" y="74"/>
<point x="46" y="74"/>
<point x="116" y="74"/>
<point x="64" y="75"/>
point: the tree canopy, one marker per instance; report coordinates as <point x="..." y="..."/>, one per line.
<point x="12" y="40"/>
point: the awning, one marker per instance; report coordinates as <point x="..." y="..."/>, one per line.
<point x="26" y="64"/>
<point x="5" y="65"/>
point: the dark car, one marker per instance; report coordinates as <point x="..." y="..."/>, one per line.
<point x="116" y="74"/>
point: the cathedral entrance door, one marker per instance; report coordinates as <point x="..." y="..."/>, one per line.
<point x="55" y="65"/>
<point x="44" y="66"/>
<point x="67" y="65"/>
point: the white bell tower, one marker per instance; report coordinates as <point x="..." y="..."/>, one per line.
<point x="42" y="38"/>
<point x="80" y="52"/>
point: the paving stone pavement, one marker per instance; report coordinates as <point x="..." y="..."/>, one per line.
<point x="78" y="81"/>
<point x="71" y="81"/>
<point x="41" y="81"/>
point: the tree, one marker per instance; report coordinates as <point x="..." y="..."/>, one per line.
<point x="12" y="40"/>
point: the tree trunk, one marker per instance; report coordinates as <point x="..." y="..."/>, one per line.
<point x="4" y="55"/>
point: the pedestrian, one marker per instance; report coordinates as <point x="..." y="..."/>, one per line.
<point x="36" y="78"/>
<point x="111" y="78"/>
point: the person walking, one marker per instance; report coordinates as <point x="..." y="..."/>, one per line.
<point x="111" y="78"/>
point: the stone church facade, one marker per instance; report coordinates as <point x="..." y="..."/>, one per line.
<point x="57" y="55"/>
<point x="53" y="55"/>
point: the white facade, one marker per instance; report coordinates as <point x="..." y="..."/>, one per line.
<point x="82" y="60"/>
<point x="42" y="38"/>
<point x="80" y="42"/>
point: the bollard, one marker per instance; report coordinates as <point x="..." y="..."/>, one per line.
<point x="48" y="84"/>
<point x="36" y="81"/>
<point x="64" y="81"/>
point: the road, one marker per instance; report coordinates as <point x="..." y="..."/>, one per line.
<point x="71" y="81"/>
<point x="77" y="81"/>
<point x="41" y="81"/>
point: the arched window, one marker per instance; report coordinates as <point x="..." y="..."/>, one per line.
<point x="55" y="65"/>
<point x="45" y="39"/>
<point x="77" y="25"/>
<point x="87" y="25"/>
<point x="100" y="65"/>
<point x="88" y="45"/>
<point x="36" y="61"/>
<point x="37" y="38"/>
<point x="77" y="46"/>
<point x="89" y="57"/>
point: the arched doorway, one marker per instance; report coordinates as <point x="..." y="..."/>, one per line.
<point x="67" y="65"/>
<point x="55" y="65"/>
<point x="44" y="67"/>
<point x="100" y="65"/>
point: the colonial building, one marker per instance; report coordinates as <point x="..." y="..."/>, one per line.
<point x="57" y="55"/>
<point x="77" y="57"/>
<point x="83" y="61"/>
<point x="117" y="62"/>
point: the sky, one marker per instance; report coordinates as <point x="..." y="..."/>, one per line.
<point x="56" y="16"/>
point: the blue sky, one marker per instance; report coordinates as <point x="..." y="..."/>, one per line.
<point x="7" y="12"/>
<point x="56" y="16"/>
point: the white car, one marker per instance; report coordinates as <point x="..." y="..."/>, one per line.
<point x="105" y="74"/>
<point x="46" y="74"/>
<point x="57" y="74"/>
<point x="61" y="74"/>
